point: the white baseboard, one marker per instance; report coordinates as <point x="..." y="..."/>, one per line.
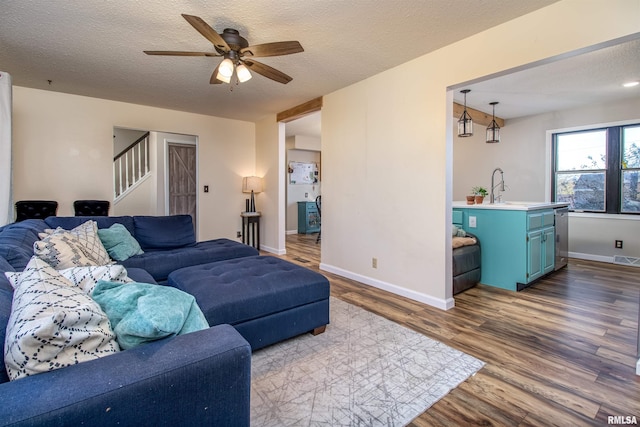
<point x="442" y="304"/>
<point x="291" y="232"/>
<point x="273" y="250"/>
<point x="638" y="367"/>
<point x="591" y="257"/>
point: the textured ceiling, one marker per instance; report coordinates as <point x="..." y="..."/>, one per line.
<point x="94" y="48"/>
<point x="592" y="78"/>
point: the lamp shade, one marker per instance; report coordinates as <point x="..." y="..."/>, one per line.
<point x="251" y="184"/>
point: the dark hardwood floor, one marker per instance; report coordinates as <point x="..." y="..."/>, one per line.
<point x="562" y="352"/>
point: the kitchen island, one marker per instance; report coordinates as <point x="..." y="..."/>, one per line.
<point x="518" y="240"/>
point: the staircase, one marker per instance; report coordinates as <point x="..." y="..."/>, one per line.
<point x="131" y="166"/>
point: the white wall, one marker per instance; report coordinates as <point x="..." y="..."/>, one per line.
<point x="270" y="159"/>
<point x="387" y="146"/>
<point x="63" y="150"/>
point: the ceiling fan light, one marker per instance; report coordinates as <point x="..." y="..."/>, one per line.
<point x="226" y="68"/>
<point x="222" y="78"/>
<point x="243" y="73"/>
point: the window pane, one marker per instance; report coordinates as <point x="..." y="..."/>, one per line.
<point x="630" y="191"/>
<point x="583" y="191"/>
<point x="582" y="150"/>
<point x="631" y="147"/>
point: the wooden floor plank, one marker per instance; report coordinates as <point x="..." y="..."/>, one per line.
<point x="561" y="352"/>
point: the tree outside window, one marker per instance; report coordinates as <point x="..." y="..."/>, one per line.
<point x="598" y="170"/>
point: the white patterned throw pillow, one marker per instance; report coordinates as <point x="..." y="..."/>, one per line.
<point x="80" y="247"/>
<point x="86" y="278"/>
<point x="53" y="324"/>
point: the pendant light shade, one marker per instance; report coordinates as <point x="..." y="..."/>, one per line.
<point x="493" y="130"/>
<point x="465" y="124"/>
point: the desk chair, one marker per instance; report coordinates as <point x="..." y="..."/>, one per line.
<point x="318" y="205"/>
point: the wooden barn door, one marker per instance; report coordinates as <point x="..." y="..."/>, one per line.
<point x="182" y="180"/>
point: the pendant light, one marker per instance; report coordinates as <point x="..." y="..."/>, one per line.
<point x="493" y="131"/>
<point x="465" y="124"/>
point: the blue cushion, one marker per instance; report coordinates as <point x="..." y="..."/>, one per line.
<point x="16" y="241"/>
<point x="162" y="262"/>
<point x="242" y="289"/>
<point x="118" y="242"/>
<point x="140" y="275"/>
<point x="142" y="312"/>
<point x="6" y="298"/>
<point x="71" y="222"/>
<point x="164" y="232"/>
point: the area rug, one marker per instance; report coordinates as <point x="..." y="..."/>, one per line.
<point x="363" y="371"/>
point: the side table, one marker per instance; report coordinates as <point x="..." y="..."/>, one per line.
<point x="251" y="228"/>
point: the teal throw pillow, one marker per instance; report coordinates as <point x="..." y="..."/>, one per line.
<point x="119" y="243"/>
<point x="142" y="312"/>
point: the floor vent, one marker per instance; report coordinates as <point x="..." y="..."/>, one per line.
<point x="626" y="260"/>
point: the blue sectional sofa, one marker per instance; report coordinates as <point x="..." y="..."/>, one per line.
<point x="200" y="378"/>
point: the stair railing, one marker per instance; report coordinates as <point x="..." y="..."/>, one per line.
<point x="131" y="165"/>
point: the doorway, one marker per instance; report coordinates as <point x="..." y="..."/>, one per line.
<point x="303" y="177"/>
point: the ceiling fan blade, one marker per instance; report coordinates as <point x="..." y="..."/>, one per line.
<point x="208" y="32"/>
<point x="214" y="80"/>
<point x="267" y="71"/>
<point x="178" y="53"/>
<point x="273" y="49"/>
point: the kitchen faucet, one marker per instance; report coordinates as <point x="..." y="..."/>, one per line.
<point x="501" y="183"/>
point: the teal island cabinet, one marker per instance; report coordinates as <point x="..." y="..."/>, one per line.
<point x="517" y="240"/>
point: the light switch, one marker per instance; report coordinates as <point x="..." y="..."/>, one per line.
<point x="206" y="188"/>
<point x="472" y="222"/>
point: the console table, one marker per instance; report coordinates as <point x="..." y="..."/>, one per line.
<point x="251" y="228"/>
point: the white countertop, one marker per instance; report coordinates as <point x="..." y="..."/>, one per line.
<point x="511" y="206"/>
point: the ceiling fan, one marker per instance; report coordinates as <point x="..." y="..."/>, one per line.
<point x="238" y="55"/>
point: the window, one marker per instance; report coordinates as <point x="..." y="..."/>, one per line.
<point x="598" y="170"/>
<point x="630" y="169"/>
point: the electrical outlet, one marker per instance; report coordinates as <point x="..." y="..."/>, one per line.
<point x="206" y="188"/>
<point x="238" y="234"/>
<point x="374" y="262"/>
<point x="306" y="195"/>
<point x="472" y="222"/>
<point x="618" y="244"/>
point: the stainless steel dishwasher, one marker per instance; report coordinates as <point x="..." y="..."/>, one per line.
<point x="562" y="237"/>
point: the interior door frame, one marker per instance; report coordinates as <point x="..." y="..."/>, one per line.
<point x="176" y="139"/>
<point x="283" y="118"/>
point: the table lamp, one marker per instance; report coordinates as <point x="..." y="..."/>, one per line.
<point x="252" y="184"/>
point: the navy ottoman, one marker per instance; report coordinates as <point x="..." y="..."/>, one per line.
<point x="265" y="298"/>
